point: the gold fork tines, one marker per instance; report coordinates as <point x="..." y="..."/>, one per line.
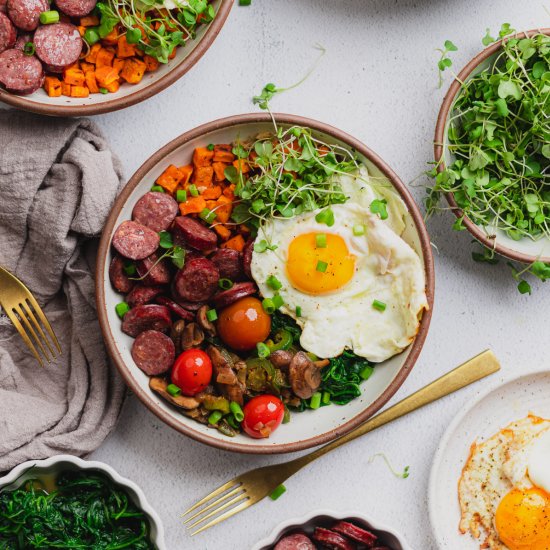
<point x="28" y="318"/>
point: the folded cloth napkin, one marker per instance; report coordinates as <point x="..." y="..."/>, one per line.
<point x="58" y="180"/>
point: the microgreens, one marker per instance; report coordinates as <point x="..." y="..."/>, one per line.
<point x="403" y="475"/>
<point x="445" y="61"/>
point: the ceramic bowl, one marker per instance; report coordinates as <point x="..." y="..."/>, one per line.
<point x="62" y="463"/>
<point x="307" y="429"/>
<point x="525" y="250"/>
<point x="128" y="94"/>
<point x="324" y="518"/>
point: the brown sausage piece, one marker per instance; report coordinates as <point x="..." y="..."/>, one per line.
<point x="141" y="295"/>
<point x="25" y="14"/>
<point x="190" y="232"/>
<point x="229" y="263"/>
<point x="135" y="241"/>
<point x="58" y="45"/>
<point x="19" y="73"/>
<point x="76" y="8"/>
<point x="155" y="211"/>
<point x="8" y="34"/>
<point x="297" y="541"/>
<point x="175" y="308"/>
<point x="117" y="275"/>
<point x="247" y="257"/>
<point x="147" y="317"/>
<point x="355" y="533"/>
<point x="236" y="292"/>
<point x="153" y="352"/>
<point x="332" y="540"/>
<point x="154" y="272"/>
<point x="197" y="281"/>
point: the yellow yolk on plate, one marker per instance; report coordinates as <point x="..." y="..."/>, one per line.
<point x="318" y="269"/>
<point x="522" y="519"/>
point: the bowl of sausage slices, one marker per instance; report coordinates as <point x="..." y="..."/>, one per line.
<point x="264" y="285"/>
<point x="86" y="57"/>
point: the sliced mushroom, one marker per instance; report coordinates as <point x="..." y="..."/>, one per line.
<point x="226" y="379"/>
<point x="192" y="336"/>
<point x="175" y="333"/>
<point x="305" y="375"/>
<point x="203" y="322"/>
<point x="281" y="359"/>
<point x="159" y="385"/>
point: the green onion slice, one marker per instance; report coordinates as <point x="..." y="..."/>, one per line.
<point x="49" y="17"/>
<point x="321" y="240"/>
<point x="358" y="230"/>
<point x="211" y="315"/>
<point x="273" y="282"/>
<point x="193" y="190"/>
<point x="122" y="309"/>
<point x="225" y="284"/>
<point x="321" y="266"/>
<point x="380" y="306"/>
<point x="263" y="350"/>
<point x="173" y="390"/>
<point x="280" y="490"/>
<point x="181" y="195"/>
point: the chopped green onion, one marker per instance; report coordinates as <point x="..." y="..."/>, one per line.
<point x="298" y="311"/>
<point x="215" y="417"/>
<point x="211" y="315"/>
<point x="281" y="489"/>
<point x="129" y="268"/>
<point x="207" y="215"/>
<point x="326" y="398"/>
<point x="286" y="416"/>
<point x="29" y="48"/>
<point x="122" y="309"/>
<point x="173" y="390"/>
<point x="193" y="190"/>
<point x="232" y="421"/>
<point x="366" y="373"/>
<point x="380" y="306"/>
<point x="245" y="2"/>
<point x="181" y="195"/>
<point x="210" y="146"/>
<point x="225" y="284"/>
<point x="321" y="240"/>
<point x="91" y="36"/>
<point x="103" y="91"/>
<point x="326" y="216"/>
<point x="379" y="207"/>
<point x="358" y="230"/>
<point x="273" y="282"/>
<point x="268" y="305"/>
<point x="321" y="266"/>
<point x="49" y="17"/>
<point x="278" y="301"/>
<point x="315" y="401"/>
<point x="237" y="411"/>
<point x="157" y="189"/>
<point x="263" y="350"/>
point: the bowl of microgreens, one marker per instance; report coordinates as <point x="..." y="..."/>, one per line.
<point x="253" y="338"/>
<point x="122" y="52"/>
<point x="492" y="147"/>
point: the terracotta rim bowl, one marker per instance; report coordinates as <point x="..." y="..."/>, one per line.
<point x="110" y="325"/>
<point x="151" y="84"/>
<point x="478" y="232"/>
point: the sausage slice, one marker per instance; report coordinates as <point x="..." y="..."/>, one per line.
<point x="332" y="540"/>
<point x="298" y="541"/>
<point x="135" y="241"/>
<point x="76" y="8"/>
<point x="141" y="295"/>
<point x="153" y="352"/>
<point x="190" y="232"/>
<point x="196" y="281"/>
<point x="19" y="73"/>
<point x="236" y="292"/>
<point x="8" y="34"/>
<point x="25" y="14"/>
<point x="58" y="45"/>
<point x="355" y="533"/>
<point x="155" y="211"/>
<point x="117" y="275"/>
<point x="229" y="263"/>
<point x="147" y="317"/>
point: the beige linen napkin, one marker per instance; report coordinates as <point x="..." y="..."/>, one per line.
<point x="58" y="180"/>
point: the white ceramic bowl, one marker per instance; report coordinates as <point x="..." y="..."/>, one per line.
<point x="61" y="463"/>
<point x="128" y="94"/>
<point x="306" y="429"/>
<point x="323" y="518"/>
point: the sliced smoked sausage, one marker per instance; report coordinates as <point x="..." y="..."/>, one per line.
<point x="176" y="308"/>
<point x="8" y="34"/>
<point x="297" y="541"/>
<point x="58" y="45"/>
<point x="76" y="8"/>
<point x="355" y="533"/>
<point x="153" y="352"/>
<point x="119" y="279"/>
<point x="236" y="292"/>
<point x="141" y="295"/>
<point x="25" y="14"/>
<point x="190" y="232"/>
<point x="147" y="317"/>
<point x="153" y="271"/>
<point x="196" y="281"/>
<point x="22" y="41"/>
<point x="19" y="73"/>
<point x="135" y="241"/>
<point x="3" y="6"/>
<point x="229" y="263"/>
<point x="155" y="211"/>
<point x="332" y="540"/>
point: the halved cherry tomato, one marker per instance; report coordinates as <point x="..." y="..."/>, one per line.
<point x="262" y="415"/>
<point x="192" y="371"/>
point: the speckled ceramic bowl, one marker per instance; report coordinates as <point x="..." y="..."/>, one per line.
<point x="128" y="94"/>
<point x="524" y="250"/>
<point x="62" y="463"/>
<point x="309" y="428"/>
<point x="324" y="518"/>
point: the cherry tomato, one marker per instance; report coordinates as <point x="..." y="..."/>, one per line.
<point x="192" y="371"/>
<point x="243" y="324"/>
<point x="262" y="415"/>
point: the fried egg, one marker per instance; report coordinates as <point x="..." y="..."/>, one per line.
<point x="332" y="276"/>
<point x="503" y="490"/>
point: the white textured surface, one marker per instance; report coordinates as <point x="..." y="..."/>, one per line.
<point x="378" y="82"/>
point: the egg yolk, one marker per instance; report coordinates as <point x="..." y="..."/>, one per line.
<point x="317" y="270"/>
<point x="243" y="324"/>
<point x="522" y="519"/>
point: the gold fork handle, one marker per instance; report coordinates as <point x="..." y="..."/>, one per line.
<point x="469" y="372"/>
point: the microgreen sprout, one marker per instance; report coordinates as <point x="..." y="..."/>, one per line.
<point x="403" y="475"/>
<point x="445" y="61"/>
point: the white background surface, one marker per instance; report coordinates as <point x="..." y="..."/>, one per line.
<point x="377" y="82"/>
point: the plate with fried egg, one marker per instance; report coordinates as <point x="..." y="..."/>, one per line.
<point x="490" y="480"/>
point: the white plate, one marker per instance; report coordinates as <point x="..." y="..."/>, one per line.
<point x="511" y="401"/>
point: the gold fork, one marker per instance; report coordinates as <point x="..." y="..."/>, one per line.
<point x="249" y="488"/>
<point x="22" y="309"/>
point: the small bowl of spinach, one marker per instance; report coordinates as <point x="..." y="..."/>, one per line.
<point x="492" y="146"/>
<point x="66" y="502"/>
